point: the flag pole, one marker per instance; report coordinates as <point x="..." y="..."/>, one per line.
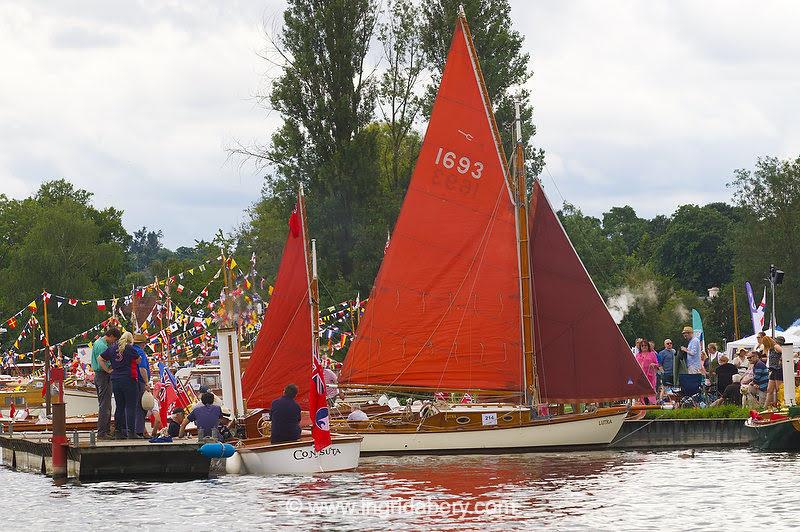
<point x="47" y="397"/>
<point x="735" y="315"/>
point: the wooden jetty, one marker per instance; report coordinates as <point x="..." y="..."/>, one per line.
<point x="89" y="460"/>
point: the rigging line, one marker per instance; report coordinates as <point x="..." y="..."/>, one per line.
<point x="458" y="290"/>
<point x="490" y="227"/>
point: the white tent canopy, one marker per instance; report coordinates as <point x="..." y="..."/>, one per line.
<point x="791" y="335"/>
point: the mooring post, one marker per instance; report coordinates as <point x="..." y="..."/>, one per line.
<point x="59" y="441"/>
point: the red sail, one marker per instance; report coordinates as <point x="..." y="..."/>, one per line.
<point x="581" y="354"/>
<point x="282" y="354"/>
<point x="445" y="309"/>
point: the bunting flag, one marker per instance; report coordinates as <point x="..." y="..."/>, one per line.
<point x="32" y="306"/>
<point x="12" y="323"/>
<point x="101" y="305"/>
<point x="180" y="288"/>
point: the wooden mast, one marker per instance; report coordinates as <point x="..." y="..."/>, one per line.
<point x="518" y="185"/>
<point x="532" y="388"/>
<point x="313" y="282"/>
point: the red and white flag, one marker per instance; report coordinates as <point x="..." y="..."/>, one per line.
<point x="318" y="409"/>
<point x="73" y="302"/>
<point x="101" y="305"/>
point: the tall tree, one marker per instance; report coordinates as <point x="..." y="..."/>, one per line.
<point x="326" y="94"/>
<point x="398" y="100"/>
<point x="769" y="195"/>
<point x="504" y="64"/>
<point x="60" y="243"/>
<point x="696" y="248"/>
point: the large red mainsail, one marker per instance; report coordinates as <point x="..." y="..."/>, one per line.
<point x="282" y="354"/>
<point x="581" y="354"/>
<point x="445" y="309"/>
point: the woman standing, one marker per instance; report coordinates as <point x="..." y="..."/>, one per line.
<point x="648" y="361"/>
<point x="775" y="365"/>
<point x="121" y="361"/>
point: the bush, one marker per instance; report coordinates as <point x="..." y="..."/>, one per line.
<point x="714" y="412"/>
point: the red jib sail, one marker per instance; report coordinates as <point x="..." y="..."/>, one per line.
<point x="445" y="309"/>
<point x="282" y="354"/>
<point x="581" y="354"/>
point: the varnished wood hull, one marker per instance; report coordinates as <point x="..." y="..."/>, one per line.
<point x="514" y="434"/>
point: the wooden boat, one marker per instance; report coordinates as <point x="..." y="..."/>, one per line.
<point x="481" y="292"/>
<point x="299" y="457"/>
<point x="28" y="396"/>
<point x="776" y="431"/>
<point x="287" y="351"/>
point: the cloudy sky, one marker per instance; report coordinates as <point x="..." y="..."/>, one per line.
<point x="652" y="103"/>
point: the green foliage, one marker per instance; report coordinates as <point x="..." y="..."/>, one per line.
<point x="769" y="197"/>
<point x="57" y="241"/>
<point x="695" y="248"/>
<point x="712" y="412"/>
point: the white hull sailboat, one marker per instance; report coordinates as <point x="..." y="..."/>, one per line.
<point x="480" y="292"/>
<point x="299" y="457"/>
<point x="287" y="351"/>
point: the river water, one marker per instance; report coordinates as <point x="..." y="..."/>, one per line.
<point x="736" y="489"/>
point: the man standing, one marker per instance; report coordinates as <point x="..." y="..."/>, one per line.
<point x="694" y="363"/>
<point x="102" y="383"/>
<point x="285" y="416"/>
<point x="143" y="371"/>
<point x="666" y="359"/>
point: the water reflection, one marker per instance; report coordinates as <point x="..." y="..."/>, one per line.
<point x="595" y="490"/>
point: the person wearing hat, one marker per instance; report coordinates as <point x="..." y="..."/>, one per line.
<point x="740" y="361"/>
<point x="143" y="372"/>
<point x="692" y="350"/>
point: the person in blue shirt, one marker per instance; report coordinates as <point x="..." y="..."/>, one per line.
<point x="206" y="416"/>
<point x="284" y="414"/>
<point x="694" y="363"/>
<point x="139" y="341"/>
<point x="666" y="359"/>
<point x="758" y="386"/>
<point x="120" y="360"/>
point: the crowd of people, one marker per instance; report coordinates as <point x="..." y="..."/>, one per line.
<point x="749" y="378"/>
<point x="121" y="368"/>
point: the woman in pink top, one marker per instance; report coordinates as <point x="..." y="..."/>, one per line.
<point x="648" y="361"/>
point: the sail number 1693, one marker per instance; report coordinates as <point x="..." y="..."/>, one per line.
<point x="463" y="165"/>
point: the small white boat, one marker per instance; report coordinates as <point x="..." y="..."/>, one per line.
<point x="260" y="457"/>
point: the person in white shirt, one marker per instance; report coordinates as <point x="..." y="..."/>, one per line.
<point x="740" y="361"/>
<point x="357" y="414"/>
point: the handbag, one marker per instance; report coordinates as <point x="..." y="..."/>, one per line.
<point x="148" y="401"/>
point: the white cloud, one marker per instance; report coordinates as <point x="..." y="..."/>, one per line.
<point x="656" y="103"/>
<point x="135" y="107"/>
<point x="647" y="103"/>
